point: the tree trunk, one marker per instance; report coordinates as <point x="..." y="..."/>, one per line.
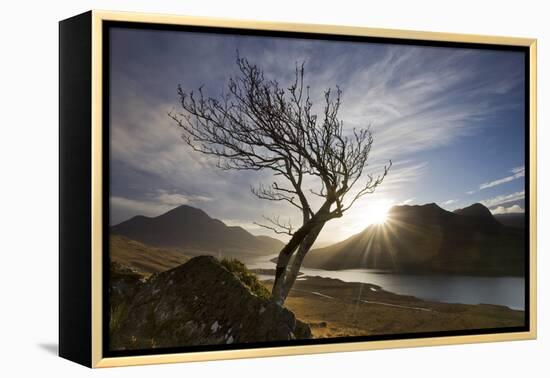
<point x="284" y="258"/>
<point x="287" y="251"/>
<point x="292" y="273"/>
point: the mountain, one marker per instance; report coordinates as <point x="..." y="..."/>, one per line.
<point x="193" y="231"/>
<point x="143" y="258"/>
<point x="427" y="238"/>
<point x="480" y="216"/>
<point x="516" y="220"/>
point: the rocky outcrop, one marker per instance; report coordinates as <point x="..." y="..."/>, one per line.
<point x="125" y="282"/>
<point x="197" y="303"/>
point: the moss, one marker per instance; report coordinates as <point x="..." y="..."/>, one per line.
<point x="120" y="340"/>
<point x="250" y="280"/>
<point x="117" y="315"/>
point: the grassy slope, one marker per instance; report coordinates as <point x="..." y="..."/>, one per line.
<point x="343" y="312"/>
<point x="143" y="258"/>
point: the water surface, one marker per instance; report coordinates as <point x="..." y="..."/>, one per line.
<point x="504" y="291"/>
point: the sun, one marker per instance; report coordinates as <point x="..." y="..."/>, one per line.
<point x="378" y="211"/>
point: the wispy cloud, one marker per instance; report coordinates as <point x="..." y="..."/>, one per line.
<point x="507" y="210"/>
<point x="402" y="173"/>
<point x="450" y="202"/>
<point x="517" y="173"/>
<point x="502" y="199"/>
<point x="412" y="96"/>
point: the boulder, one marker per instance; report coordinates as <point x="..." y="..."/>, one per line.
<point x="197" y="303"/>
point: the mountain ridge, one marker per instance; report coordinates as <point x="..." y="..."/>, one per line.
<point x="427" y="238"/>
<point x="193" y="230"/>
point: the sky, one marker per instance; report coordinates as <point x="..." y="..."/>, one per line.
<point x="450" y="119"/>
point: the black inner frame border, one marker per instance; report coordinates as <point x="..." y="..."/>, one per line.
<point x="106" y="155"/>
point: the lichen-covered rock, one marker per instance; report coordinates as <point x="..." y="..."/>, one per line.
<point x="124" y="283"/>
<point x="200" y="303"/>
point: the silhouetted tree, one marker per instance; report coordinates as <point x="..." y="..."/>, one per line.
<point x="259" y="125"/>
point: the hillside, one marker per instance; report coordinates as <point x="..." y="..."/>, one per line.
<point x="141" y="257"/>
<point x="192" y="230"/>
<point x="427" y="238"/>
<point x="516" y="220"/>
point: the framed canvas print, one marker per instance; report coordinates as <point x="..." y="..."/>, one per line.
<point x="234" y="189"/>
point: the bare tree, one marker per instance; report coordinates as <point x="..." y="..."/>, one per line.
<point x="259" y="125"/>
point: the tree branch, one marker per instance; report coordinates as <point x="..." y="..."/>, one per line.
<point x="277" y="226"/>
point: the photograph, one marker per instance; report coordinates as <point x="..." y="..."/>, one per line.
<point x="271" y="188"/>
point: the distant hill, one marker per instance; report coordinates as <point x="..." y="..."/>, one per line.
<point x="427" y="238"/>
<point x="192" y="230"/>
<point x="479" y="216"/>
<point x="516" y="220"/>
<point x="143" y="258"/>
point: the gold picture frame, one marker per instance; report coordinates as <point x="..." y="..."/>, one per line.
<point x="91" y="24"/>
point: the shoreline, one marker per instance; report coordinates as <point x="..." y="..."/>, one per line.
<point x="335" y="308"/>
<point x="506" y="291"/>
